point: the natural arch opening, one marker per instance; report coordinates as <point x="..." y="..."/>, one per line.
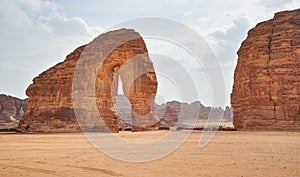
<point x="70" y="96"/>
<point x="139" y="85"/>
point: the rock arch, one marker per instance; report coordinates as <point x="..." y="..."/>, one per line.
<point x="123" y="55"/>
<point x="139" y="83"/>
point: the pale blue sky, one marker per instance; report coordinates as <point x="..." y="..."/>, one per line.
<point x="37" y="34"/>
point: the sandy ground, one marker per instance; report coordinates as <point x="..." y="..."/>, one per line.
<point x="228" y="154"/>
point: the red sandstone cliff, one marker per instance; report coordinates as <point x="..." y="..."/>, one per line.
<point x="266" y="90"/>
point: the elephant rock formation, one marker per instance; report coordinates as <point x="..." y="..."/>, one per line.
<point x="80" y="92"/>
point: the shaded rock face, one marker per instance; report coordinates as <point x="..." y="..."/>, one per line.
<point x="11" y="111"/>
<point x="184" y="114"/>
<point x="266" y="90"/>
<point x="123" y="108"/>
<point x="12" y="106"/>
<point x="169" y="113"/>
<point x="227" y="116"/>
<point x="50" y="106"/>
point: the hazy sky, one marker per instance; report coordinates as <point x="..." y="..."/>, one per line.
<point x="37" y="34"/>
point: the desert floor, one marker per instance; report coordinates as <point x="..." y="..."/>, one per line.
<point x="227" y="154"/>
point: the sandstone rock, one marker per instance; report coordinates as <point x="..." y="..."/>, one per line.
<point x="170" y="112"/>
<point x="182" y="115"/>
<point x="227" y="116"/>
<point x="12" y="106"/>
<point x="11" y="110"/>
<point x="266" y="90"/>
<point x="50" y="106"/>
<point x="123" y="107"/>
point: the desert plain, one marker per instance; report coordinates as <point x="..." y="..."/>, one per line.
<point x="236" y="153"/>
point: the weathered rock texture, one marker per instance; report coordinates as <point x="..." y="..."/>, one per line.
<point x="266" y="90"/>
<point x="184" y="114"/>
<point x="50" y="107"/>
<point x="169" y="113"/>
<point x="11" y="110"/>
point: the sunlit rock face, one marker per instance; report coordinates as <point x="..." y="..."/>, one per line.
<point x="51" y="108"/>
<point x="266" y="90"/>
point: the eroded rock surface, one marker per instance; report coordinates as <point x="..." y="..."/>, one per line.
<point x="11" y="111"/>
<point x="266" y="90"/>
<point x="109" y="56"/>
<point x="184" y="115"/>
<point x="227" y="116"/>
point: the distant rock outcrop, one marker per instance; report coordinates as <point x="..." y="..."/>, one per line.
<point x="184" y="114"/>
<point x="11" y="110"/>
<point x="266" y="90"/>
<point x="50" y="107"/>
<point x="227" y="116"/>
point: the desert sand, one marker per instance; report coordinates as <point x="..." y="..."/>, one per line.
<point x="227" y="154"/>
